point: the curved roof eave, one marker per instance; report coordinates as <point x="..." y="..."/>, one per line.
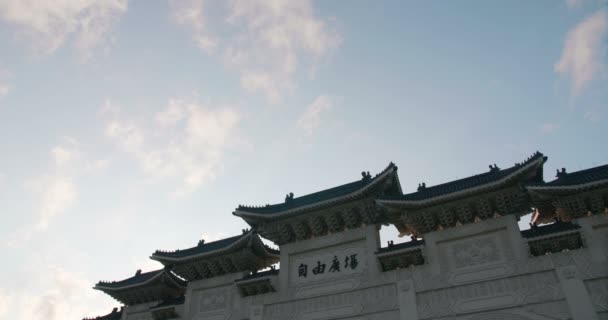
<point x="245" y="214"/>
<point x="461" y="193"/>
<point x="138" y="284"/>
<point x="251" y="233"/>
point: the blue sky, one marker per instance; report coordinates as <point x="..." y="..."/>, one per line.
<point x="131" y="126"/>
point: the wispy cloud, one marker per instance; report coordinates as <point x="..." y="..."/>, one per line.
<point x="55" y="191"/>
<point x="264" y="41"/>
<point x="311" y="119"/>
<point x="187" y="141"/>
<point x="584" y="53"/>
<point x="191" y="13"/>
<point x="48" y="25"/>
<point x="593" y="115"/>
<point x="574" y="3"/>
<point x="548" y="128"/>
<point x="5" y="86"/>
<point x="59" y="294"/>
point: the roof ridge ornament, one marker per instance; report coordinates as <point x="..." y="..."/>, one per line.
<point x="200" y="242"/>
<point x="421" y="186"/>
<point x="366" y="176"/>
<point x="494" y="168"/>
<point x="289" y="197"/>
<point x="138" y="272"/>
<point x="561" y="174"/>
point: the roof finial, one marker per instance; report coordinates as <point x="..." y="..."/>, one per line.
<point x="562" y="173"/>
<point x="138" y="272"/>
<point x="365" y="176"/>
<point x="421" y="186"/>
<point x="201" y="242"/>
<point x="494" y="168"/>
<point x="289" y="197"/>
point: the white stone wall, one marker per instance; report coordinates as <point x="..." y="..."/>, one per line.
<point x="472" y="272"/>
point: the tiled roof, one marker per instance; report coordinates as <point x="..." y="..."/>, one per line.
<point x="580" y="177"/>
<point x="399" y="246"/>
<point x="209" y="247"/>
<point x="465" y="183"/>
<point x="116" y="314"/>
<point x="549" y="229"/>
<point x="312" y="198"/>
<point x="201" y="248"/>
<point x="138" y="278"/>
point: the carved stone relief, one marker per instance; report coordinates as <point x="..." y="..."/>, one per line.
<point x="557" y="310"/>
<point x="212" y="303"/>
<point x="598" y="290"/>
<point x="351" y="303"/>
<point x="504" y="292"/>
<point x="475" y="251"/>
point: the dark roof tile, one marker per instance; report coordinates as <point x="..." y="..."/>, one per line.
<point x="137" y="279"/>
<point x="201" y="248"/>
<point x="319" y="196"/>
<point x="465" y="183"/>
<point x="580" y="177"/>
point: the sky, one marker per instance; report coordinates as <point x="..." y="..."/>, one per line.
<point x="128" y="126"/>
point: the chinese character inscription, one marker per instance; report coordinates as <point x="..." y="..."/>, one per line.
<point x="350" y="261"/>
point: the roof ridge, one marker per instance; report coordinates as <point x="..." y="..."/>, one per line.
<point x="494" y="175"/>
<point x="204" y="244"/>
<point x="138" y="274"/>
<point x="292" y="202"/>
<point x="487" y="173"/>
<point x="580" y="172"/>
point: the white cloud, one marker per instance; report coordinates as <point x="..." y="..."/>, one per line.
<point x="54" y="194"/>
<point x="5" y="86"/>
<point x="593" y="115"/>
<point x="55" y="191"/>
<point x="191" y="13"/>
<point x="312" y="117"/>
<point x="172" y="115"/>
<point x="584" y="52"/>
<point x="58" y="294"/>
<point x="264" y="41"/>
<point x="187" y="142"/>
<point x="574" y="3"/>
<point x="547" y="128"/>
<point x="48" y="25"/>
<point x="4" y="302"/>
<point x="62" y="155"/>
